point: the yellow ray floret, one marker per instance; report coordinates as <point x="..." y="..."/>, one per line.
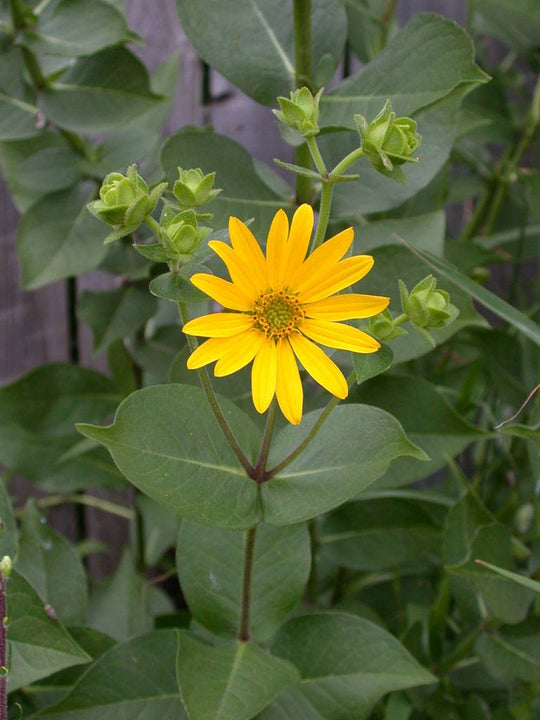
<point x="280" y="308"/>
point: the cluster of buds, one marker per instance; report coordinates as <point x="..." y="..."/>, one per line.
<point x="193" y="188"/>
<point x="180" y="234"/>
<point x="388" y="141"/>
<point x="125" y="201"/>
<point x="300" y="111"/>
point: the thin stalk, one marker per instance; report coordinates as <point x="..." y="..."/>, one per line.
<point x="244" y="634"/>
<point x="303" y="67"/>
<point x="265" y="445"/>
<point x="213" y="402"/>
<point x="347" y="161"/>
<point x="89" y="500"/>
<point x="3" y="649"/>
<point x="309" y="437"/>
<point x="324" y="214"/>
<point x="460" y="652"/>
<point x="316" y="155"/>
<point x="313" y="580"/>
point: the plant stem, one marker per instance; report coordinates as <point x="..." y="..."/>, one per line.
<point x="269" y="474"/>
<point x="3" y="649"/>
<point x="153" y="225"/>
<point x="213" y="402"/>
<point x="244" y="634"/>
<point x="90" y="500"/>
<point x="313" y="580"/>
<point x="316" y="155"/>
<point x="347" y="161"/>
<point x="303" y="65"/>
<point x="324" y="214"/>
<point x="265" y="445"/>
<point x="461" y="651"/>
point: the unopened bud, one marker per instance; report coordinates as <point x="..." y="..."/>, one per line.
<point x="426" y="306"/>
<point x="384" y="327"/>
<point x="193" y="188"/>
<point x="181" y="235"/>
<point x="301" y="111"/>
<point x="6" y="566"/>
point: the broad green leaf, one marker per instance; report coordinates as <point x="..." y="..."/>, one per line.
<point x="156" y="353"/>
<point x="50" y="170"/>
<point x="366" y="28"/>
<point x="53" y="567"/>
<point x="233" y="681"/>
<point x="428" y="419"/>
<point x="426" y="61"/>
<point x="382" y="534"/>
<point x="251" y="42"/>
<point x="75" y="27"/>
<point x="513" y="653"/>
<point x="520" y="579"/>
<point x="51" y="398"/>
<point x="133" y="680"/>
<point x="119" y="606"/>
<point x="160" y="529"/>
<point x="114" y="314"/>
<point x="18" y="112"/>
<point x="326" y="474"/>
<point x="244" y="192"/>
<point x="57" y="237"/>
<point x="372" y="364"/>
<point x="100" y="92"/>
<point x="167" y="442"/>
<point x="347" y="664"/>
<point x="39" y="645"/>
<point x="489" y="300"/>
<point x="471" y="532"/>
<point x="422" y="231"/>
<point x="515" y="22"/>
<point x="176" y="287"/>
<point x="210" y="567"/>
<point x="8" y="527"/>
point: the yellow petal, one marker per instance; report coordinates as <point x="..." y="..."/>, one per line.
<point x="336" y="278"/>
<point x="238" y="352"/>
<point x="319" y="365"/>
<point x="208" y="352"/>
<point x="245" y="244"/>
<point x="288" y="385"/>
<point x="299" y="237"/>
<point x="347" y="307"/>
<point x="339" y="335"/>
<point x="239" y="271"/>
<point x="218" y="325"/>
<point x="263" y="375"/>
<point x="322" y="259"/>
<point x="222" y="291"/>
<point x="276" y="249"/>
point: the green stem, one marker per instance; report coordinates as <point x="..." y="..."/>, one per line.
<point x="316" y="155"/>
<point x="401" y="319"/>
<point x="17" y="13"/>
<point x="244" y="634"/>
<point x="269" y="474"/>
<point x="313" y="580"/>
<point x="303" y="65"/>
<point x="460" y="652"/>
<point x="153" y="225"/>
<point x="260" y="467"/>
<point x="324" y="214"/>
<point x="213" y="402"/>
<point x="89" y="500"/>
<point x="347" y="161"/>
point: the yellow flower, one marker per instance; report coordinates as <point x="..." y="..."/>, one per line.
<point x="282" y="305"/>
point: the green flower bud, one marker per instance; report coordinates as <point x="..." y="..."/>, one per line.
<point x="193" y="188"/>
<point x="6" y="566"/>
<point x="125" y="200"/>
<point x="180" y="234"/>
<point x="301" y="111"/>
<point x="384" y="327"/>
<point x="388" y="141"/>
<point x="425" y="306"/>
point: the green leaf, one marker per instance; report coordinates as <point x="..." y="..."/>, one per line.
<point x="18" y="112"/>
<point x="177" y="287"/>
<point x="50" y="170"/>
<point x="366" y="31"/>
<point x="347" y="664"/>
<point x="245" y="679"/>
<point x="520" y="579"/>
<point x="57" y="237"/>
<point x="470" y="532"/>
<point x="74" y="27"/>
<point x="100" y="92"/>
<point x="422" y="231"/>
<point x="51" y="398"/>
<point x="492" y="302"/>
<point x="134" y="679"/>
<point x="160" y="529"/>
<point x="429" y="58"/>
<point x="244" y="195"/>
<point x="8" y="526"/>
<point x="53" y="567"/>
<point x="427" y="418"/>
<point x="251" y="42"/>
<point x="119" y="606"/>
<point x="114" y="314"/>
<point x="383" y="534"/>
<point x="326" y="473"/>
<point x="166" y="441"/>
<point x="39" y="645"/>
<point x="210" y="567"/>
<point x="515" y="22"/>
<point x="373" y="364"/>
<point x="513" y="653"/>
<point x="155" y="353"/>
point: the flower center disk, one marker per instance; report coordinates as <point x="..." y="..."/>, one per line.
<point x="277" y="314"/>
